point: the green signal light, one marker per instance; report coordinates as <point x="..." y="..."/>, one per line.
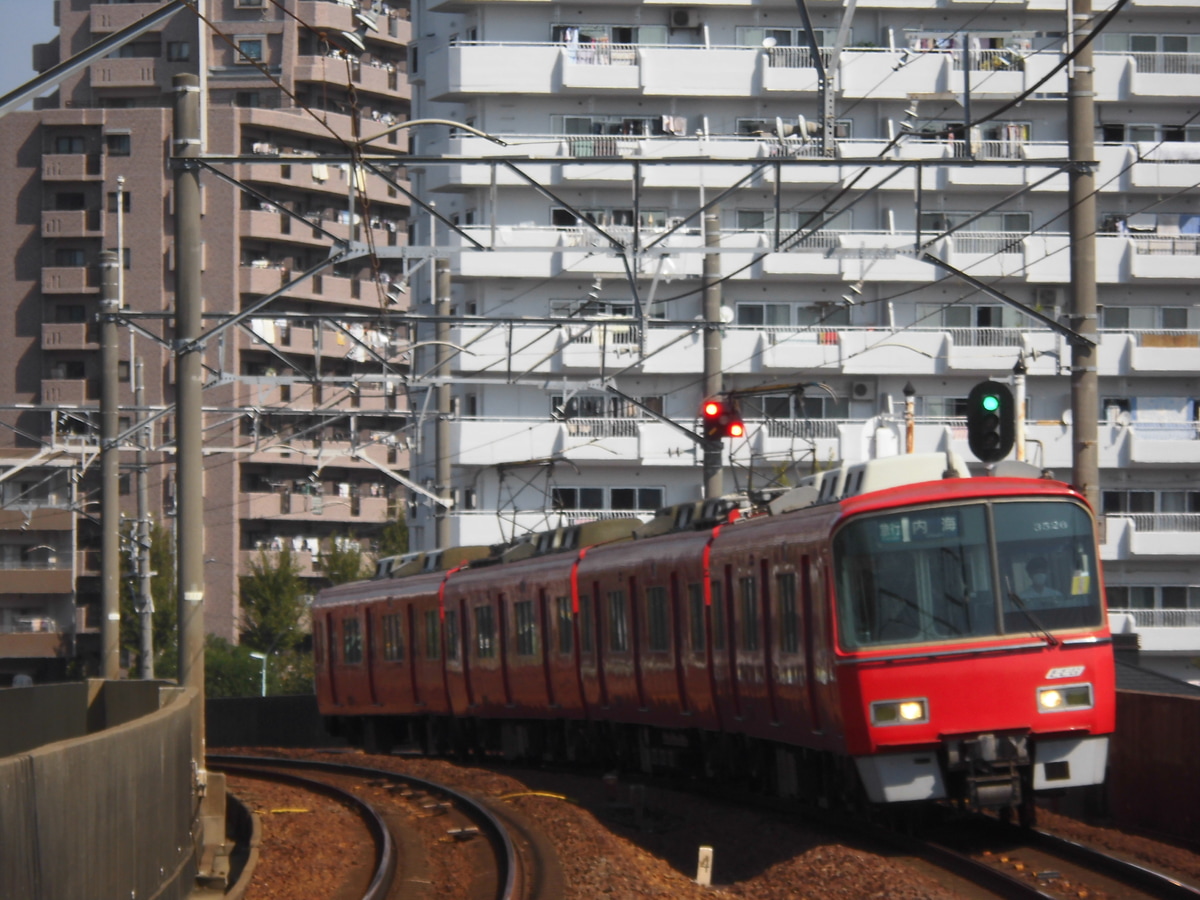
<point x="991" y="402"/>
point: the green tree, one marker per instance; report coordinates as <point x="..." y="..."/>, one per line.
<point x="164" y="633"/>
<point x="273" y="599"/>
<point x="230" y="671"/>
<point x="344" y="561"/>
<point x="393" y="540"/>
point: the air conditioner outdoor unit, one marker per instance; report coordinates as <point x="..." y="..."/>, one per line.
<point x="683" y="17"/>
<point x="1045" y="298"/>
<point x="862" y="390"/>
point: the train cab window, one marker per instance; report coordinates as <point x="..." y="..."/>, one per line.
<point x="1048" y="567"/>
<point x="393" y="637"/>
<point x="586" y="620"/>
<point x="485" y="632"/>
<point x="749" y="611"/>
<point x="658" y="632"/>
<point x="696" y="618"/>
<point x="526" y="628"/>
<point x="789" y="631"/>
<point x="618" y="622"/>
<point x="452" y="637"/>
<point x="433" y="635"/>
<point x="352" y="651"/>
<point x="566" y="622"/>
<point x="718" y="615"/>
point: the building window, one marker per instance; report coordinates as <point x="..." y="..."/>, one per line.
<point x="70" y="200"/>
<point x="658" y="637"/>
<point x="70" y="313"/>
<point x="247" y="99"/>
<point x="70" y="144"/>
<point x="623" y="498"/>
<point x="249" y="4"/>
<point x="250" y="50"/>
<point x="179" y="51"/>
<point x="526" y="628"/>
<point x="123" y="370"/>
<point x="485" y="632"/>
<point x="126" y="201"/>
<point x="70" y="257"/>
<point x="118" y="144"/>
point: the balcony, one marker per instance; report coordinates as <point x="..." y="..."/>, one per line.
<point x="68" y="336"/>
<point x="43" y="579"/>
<point x="306" y="561"/>
<point x="1159" y="630"/>
<point x="75" y="223"/>
<point x="1146" y="535"/>
<point x="107" y="18"/>
<point x="1165" y="256"/>
<point x="72" y="167"/>
<point x="295" y="506"/>
<point x="1165" y="442"/>
<point x="65" y="391"/>
<point x="125" y="73"/>
<point x="70" y="280"/>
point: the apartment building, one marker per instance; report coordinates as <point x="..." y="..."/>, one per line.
<point x="301" y="427"/>
<point x="634" y="115"/>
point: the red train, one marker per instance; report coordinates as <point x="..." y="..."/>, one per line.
<point x="893" y="631"/>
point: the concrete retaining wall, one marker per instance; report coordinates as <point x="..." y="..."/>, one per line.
<point x="108" y="813"/>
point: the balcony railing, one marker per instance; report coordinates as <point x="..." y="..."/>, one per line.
<point x="1187" y="522"/>
<point x="603" y="428"/>
<point x="1162" y="618"/>
<point x="1167" y="63"/>
<point x="795" y="57"/>
<point x="601" y="53"/>
<point x="986" y="337"/>
<point x="990" y="242"/>
<point x="806" y="429"/>
<point x="1166" y="245"/>
<point x="1167" y="431"/>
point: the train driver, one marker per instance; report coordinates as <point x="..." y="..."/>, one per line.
<point x="1039" y="593"/>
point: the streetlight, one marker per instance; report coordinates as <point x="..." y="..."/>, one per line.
<point x="261" y="657"/>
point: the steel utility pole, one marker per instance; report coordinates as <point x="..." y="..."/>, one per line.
<point x="110" y="472"/>
<point x="189" y="374"/>
<point x="1085" y="401"/>
<point x="442" y="351"/>
<point x="713" y="381"/>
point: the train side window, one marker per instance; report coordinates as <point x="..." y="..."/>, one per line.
<point x="393" y="638"/>
<point x="658" y="637"/>
<point x="485" y="632"/>
<point x="696" y="616"/>
<point x="618" y="622"/>
<point x="749" y="591"/>
<point x="351" y="641"/>
<point x="526" y="628"/>
<point x="452" y="634"/>
<point x="586" y="619"/>
<point x="318" y="642"/>
<point x="566" y="630"/>
<point x="433" y="635"/>
<point x="718" y="615"/>
<point x="789" y="633"/>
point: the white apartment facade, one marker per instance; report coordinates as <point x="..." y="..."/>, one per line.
<point x="598" y="95"/>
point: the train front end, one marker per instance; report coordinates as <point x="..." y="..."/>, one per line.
<point x="974" y="656"/>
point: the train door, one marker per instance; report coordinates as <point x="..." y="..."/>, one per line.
<point x="413" y="680"/>
<point x="502" y="640"/>
<point x="735" y="693"/>
<point x="768" y="656"/>
<point x="810" y="589"/>
<point x="635" y="630"/>
<point x="598" y="635"/>
<point x="677" y="647"/>
<point x="330" y="660"/>
<point x="582" y="637"/>
<point x="370" y="654"/>
<point x="544" y="627"/>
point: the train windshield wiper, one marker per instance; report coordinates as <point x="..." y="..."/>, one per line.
<point x="1033" y="620"/>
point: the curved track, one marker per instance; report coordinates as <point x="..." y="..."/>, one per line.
<point x="489" y="826"/>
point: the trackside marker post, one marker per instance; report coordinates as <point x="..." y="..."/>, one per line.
<point x="704" y="867"/>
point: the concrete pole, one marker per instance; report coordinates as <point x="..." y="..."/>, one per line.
<point x="442" y="349"/>
<point x="1085" y="401"/>
<point x="714" y="381"/>
<point x="110" y="473"/>
<point x="145" y="596"/>
<point x="189" y="374"/>
<point x="1019" y="402"/>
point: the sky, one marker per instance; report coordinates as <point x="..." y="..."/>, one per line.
<point x="26" y="22"/>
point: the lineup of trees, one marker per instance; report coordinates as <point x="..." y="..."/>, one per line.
<point x="275" y="615"/>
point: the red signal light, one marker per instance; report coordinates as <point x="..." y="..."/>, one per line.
<point x="721" y="419"/>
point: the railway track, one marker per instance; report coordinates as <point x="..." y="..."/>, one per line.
<point x="409" y="860"/>
<point x="1020" y="863"/>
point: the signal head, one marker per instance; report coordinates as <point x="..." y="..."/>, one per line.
<point x="991" y="429"/>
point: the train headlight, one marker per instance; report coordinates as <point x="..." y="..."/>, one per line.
<point x="1059" y="699"/>
<point x="900" y="712"/>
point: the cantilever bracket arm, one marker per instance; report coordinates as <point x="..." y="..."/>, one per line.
<point x="1072" y="336"/>
<point x="699" y="439"/>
